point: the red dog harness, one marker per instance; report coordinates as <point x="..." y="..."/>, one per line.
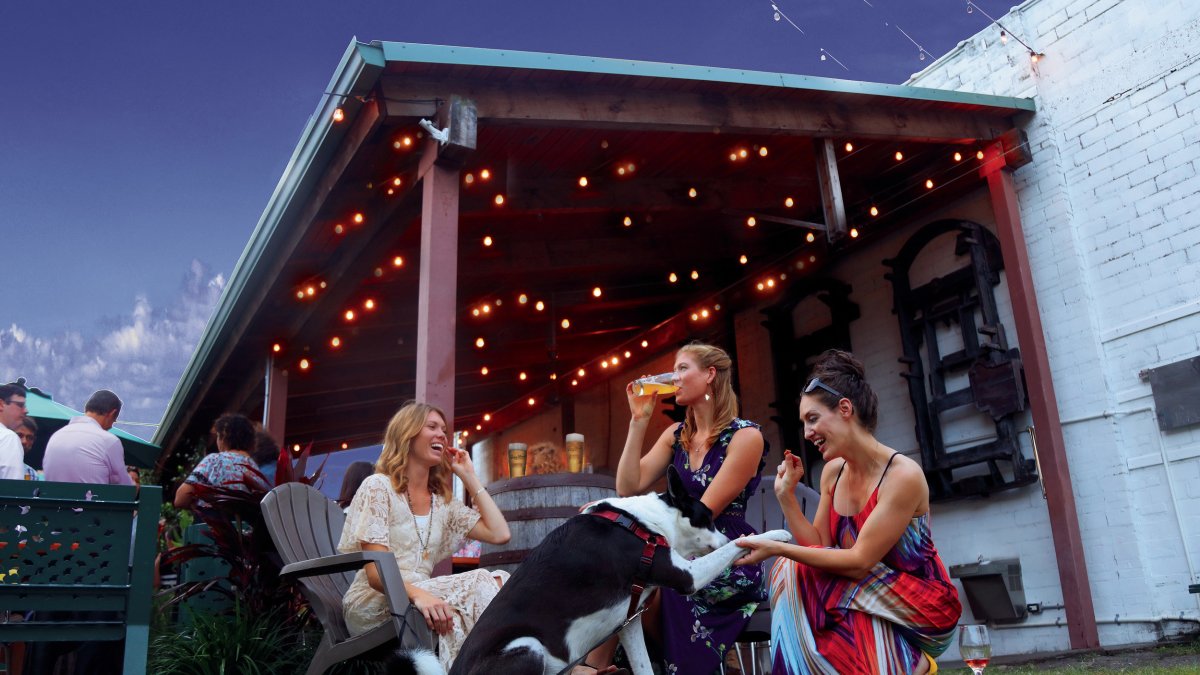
<point x="653" y="540"/>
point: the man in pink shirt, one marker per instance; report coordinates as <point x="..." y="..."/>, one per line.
<point x="84" y="451"/>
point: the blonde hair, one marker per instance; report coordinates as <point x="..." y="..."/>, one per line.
<point x="724" y="401"/>
<point x="397" y="441"/>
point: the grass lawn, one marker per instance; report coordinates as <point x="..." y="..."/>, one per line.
<point x="1182" y="659"/>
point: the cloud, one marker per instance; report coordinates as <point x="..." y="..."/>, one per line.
<point x="139" y="355"/>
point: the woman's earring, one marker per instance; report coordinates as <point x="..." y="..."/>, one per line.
<point x="706" y="396"/>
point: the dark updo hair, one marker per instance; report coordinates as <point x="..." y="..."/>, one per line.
<point x="355" y="474"/>
<point x="236" y="431"/>
<point x="841" y="371"/>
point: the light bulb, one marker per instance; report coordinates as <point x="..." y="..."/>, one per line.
<point x="810" y="237"/>
<point x="776" y="16"/>
<point x="304" y="364"/>
<point x="1003" y="38"/>
<point x="479" y="342"/>
<point x="958" y="156"/>
<point x="484" y="371"/>
<point x="369" y="304"/>
<point x="596" y="292"/>
<point x="874" y="210"/>
<point x="499" y="200"/>
<point x="487" y="417"/>
<point x="822" y="55"/>
<point x="583" y="181"/>
<point x="979" y="155"/>
<point x="469" y="178"/>
<point x="335" y="342"/>
<point x="349" y="315"/>
<point x="921" y="54"/>
<point x="397" y="261"/>
<point x="581" y="372"/>
<point x="672" y="278"/>
<point x="627" y="221"/>
<point x="566" y="323"/>
<point x="487" y="241"/>
<point x="522" y="298"/>
<point x="849" y="146"/>
<point x="692" y="192"/>
<point x="751" y="221"/>
<point x="338" y="115"/>
<point x="522" y="376"/>
<point x="743" y="259"/>
<point x="762" y="152"/>
<point x="695" y="275"/>
<point x="899" y="156"/>
<point x="539" y="306"/>
<point x="854" y="233"/>
<point x="485" y="174"/>
<point x="645" y="343"/>
<point x="929" y="184"/>
<point x="276" y="347"/>
<point x="789" y="202"/>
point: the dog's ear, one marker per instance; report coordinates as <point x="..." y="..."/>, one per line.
<point x="675" y="488"/>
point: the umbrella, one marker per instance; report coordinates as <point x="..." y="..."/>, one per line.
<point x="51" y="416"/>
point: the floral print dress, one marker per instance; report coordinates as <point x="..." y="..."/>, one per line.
<point x="699" y="629"/>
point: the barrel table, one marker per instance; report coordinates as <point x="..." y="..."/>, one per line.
<point x="535" y="505"/>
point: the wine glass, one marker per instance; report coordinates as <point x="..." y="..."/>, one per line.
<point x="975" y="647"/>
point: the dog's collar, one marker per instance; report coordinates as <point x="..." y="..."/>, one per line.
<point x="653" y="540"/>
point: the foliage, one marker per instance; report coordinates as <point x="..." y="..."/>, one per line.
<point x="246" y="643"/>
<point x="239" y="537"/>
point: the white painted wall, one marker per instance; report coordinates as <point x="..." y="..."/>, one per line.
<point x="1111" y="210"/>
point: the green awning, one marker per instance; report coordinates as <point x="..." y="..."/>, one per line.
<point x="51" y="416"/>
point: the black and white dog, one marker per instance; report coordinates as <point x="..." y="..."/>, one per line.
<point x="582" y="582"/>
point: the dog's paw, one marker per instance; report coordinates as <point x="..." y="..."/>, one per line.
<point x="775" y="535"/>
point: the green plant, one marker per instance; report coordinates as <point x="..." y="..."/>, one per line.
<point x="243" y="643"/>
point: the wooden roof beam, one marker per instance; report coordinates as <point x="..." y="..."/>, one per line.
<point x="549" y="105"/>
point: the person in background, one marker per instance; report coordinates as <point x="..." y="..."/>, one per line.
<point x="84" y="451"/>
<point x="27" y="432"/>
<point x="133" y="474"/>
<point x="407" y="508"/>
<point x="355" y="474"/>
<point x="266" y="455"/>
<point x="719" y="456"/>
<point x="229" y="467"/>
<point x="12" y="410"/>
<point x="863" y="589"/>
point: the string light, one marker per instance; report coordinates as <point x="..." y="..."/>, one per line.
<point x="539" y="306"/>
<point x="692" y="192"/>
<point x="574" y="383"/>
<point x="849" y="146"/>
<point x="475" y="312"/>
<point x="1034" y="55"/>
<point x="335" y="342"/>
<point x="645" y="343"/>
<point x="487" y="240"/>
<point x="522" y="298"/>
<point x="276" y="347"/>
<point x="810" y="237"/>
<point x="789" y="202"/>
<point x="704" y="313"/>
<point x="553" y="376"/>
<point x="469" y="178"/>
<point x="499" y="200"/>
<point x="486" y="309"/>
<point x="358" y="219"/>
<point x="604" y="364"/>
<point x="349" y="315"/>
<point x="566" y="323"/>
<point x="854" y="233"/>
<point x="345" y="446"/>
<point x="487" y="417"/>
<point x="899" y="156"/>
<point x="628" y="353"/>
<point x="733" y="156"/>
<point x="522" y="376"/>
<point x="627" y="221"/>
<point x="369" y="304"/>
<point x="478" y="427"/>
<point x="581" y="372"/>
<point x="338" y="114"/>
<point x="479" y="342"/>
<point x="583" y="181"/>
<point x="958" y="156"/>
<point x="398" y="261"/>
<point x="762" y="152"/>
<point x="751" y="221"/>
<point x="304" y="365"/>
<point x="484" y="371"/>
<point x="615" y="360"/>
<point x="928" y="183"/>
<point x="338" y="229"/>
<point x="979" y="155"/>
<point x="743" y="259"/>
<point x="672" y="278"/>
<point x="596" y="292"/>
<point x="874" y="210"/>
<point x="485" y="174"/>
<point x="695" y="275"/>
<point x="531" y="401"/>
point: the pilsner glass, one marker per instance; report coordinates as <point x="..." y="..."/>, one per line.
<point x="974" y="647"/>
<point x="662" y="385"/>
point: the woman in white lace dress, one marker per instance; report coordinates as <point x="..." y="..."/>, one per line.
<point x="407" y="508"/>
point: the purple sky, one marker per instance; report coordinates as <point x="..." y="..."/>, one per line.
<point x="140" y="141"/>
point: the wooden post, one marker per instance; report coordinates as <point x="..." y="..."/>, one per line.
<point x="275" y="400"/>
<point x="1056" y="473"/>
<point x="831" y="189"/>
<point x="437" y="293"/>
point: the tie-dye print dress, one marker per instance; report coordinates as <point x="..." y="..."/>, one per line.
<point x="829" y="624"/>
<point x="699" y="629"/>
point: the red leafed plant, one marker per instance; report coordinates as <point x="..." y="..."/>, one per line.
<point x="238" y="537"/>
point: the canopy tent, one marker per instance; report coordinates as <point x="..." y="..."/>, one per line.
<point x="51" y="416"/>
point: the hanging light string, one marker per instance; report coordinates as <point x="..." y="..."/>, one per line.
<point x="824" y="53"/>
<point x="1034" y="54"/>
<point x="921" y="53"/>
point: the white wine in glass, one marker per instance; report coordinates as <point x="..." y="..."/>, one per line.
<point x="975" y="647"/>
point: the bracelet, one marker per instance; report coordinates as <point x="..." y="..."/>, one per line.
<point x="475" y="494"/>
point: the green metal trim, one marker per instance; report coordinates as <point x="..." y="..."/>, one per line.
<point x="409" y="52"/>
<point x="356" y="75"/>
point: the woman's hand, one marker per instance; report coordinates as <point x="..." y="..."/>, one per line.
<point x="640" y="407"/>
<point x="460" y="463"/>
<point x="760" y="550"/>
<point x="790" y="471"/>
<point x="439" y="616"/>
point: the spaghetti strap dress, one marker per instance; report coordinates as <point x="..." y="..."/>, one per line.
<point x="883" y="623"/>
<point x="699" y="629"/>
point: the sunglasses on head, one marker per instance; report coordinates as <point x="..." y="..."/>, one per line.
<point x="815" y="384"/>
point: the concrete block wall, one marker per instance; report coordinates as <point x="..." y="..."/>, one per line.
<point x="1109" y="208"/>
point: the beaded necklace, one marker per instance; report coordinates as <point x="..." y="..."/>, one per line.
<point x="424" y="542"/>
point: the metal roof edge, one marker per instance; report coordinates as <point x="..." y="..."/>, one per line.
<point x="506" y="58"/>
<point x="356" y="74"/>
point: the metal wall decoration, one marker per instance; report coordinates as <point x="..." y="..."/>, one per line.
<point x="790" y="354"/>
<point x="993" y="370"/>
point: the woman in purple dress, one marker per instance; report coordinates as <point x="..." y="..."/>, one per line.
<point x="719" y="457"/>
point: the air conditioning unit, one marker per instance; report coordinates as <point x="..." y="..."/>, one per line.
<point x="994" y="589"/>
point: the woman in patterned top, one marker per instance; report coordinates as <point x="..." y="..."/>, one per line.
<point x="407" y="508"/>
<point x="864" y="591"/>
<point x="719" y="457"/>
<point x="230" y="467"/>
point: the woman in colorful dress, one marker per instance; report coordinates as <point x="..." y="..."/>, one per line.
<point x="230" y="467"/>
<point x="407" y="508"/>
<point x="864" y="591"/>
<point x="719" y="457"/>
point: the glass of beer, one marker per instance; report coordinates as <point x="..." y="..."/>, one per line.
<point x="663" y="384"/>
<point x="575" y="453"/>
<point x="516" y="459"/>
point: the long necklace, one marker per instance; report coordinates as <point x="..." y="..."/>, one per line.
<point x="424" y="542"/>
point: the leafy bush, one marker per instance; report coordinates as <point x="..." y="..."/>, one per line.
<point x="244" y="643"/>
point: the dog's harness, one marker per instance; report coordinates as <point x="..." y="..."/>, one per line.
<point x="652" y="539"/>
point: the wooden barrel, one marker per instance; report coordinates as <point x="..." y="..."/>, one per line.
<point x="534" y="506"/>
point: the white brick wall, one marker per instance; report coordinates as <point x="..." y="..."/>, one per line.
<point x="1111" y="209"/>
